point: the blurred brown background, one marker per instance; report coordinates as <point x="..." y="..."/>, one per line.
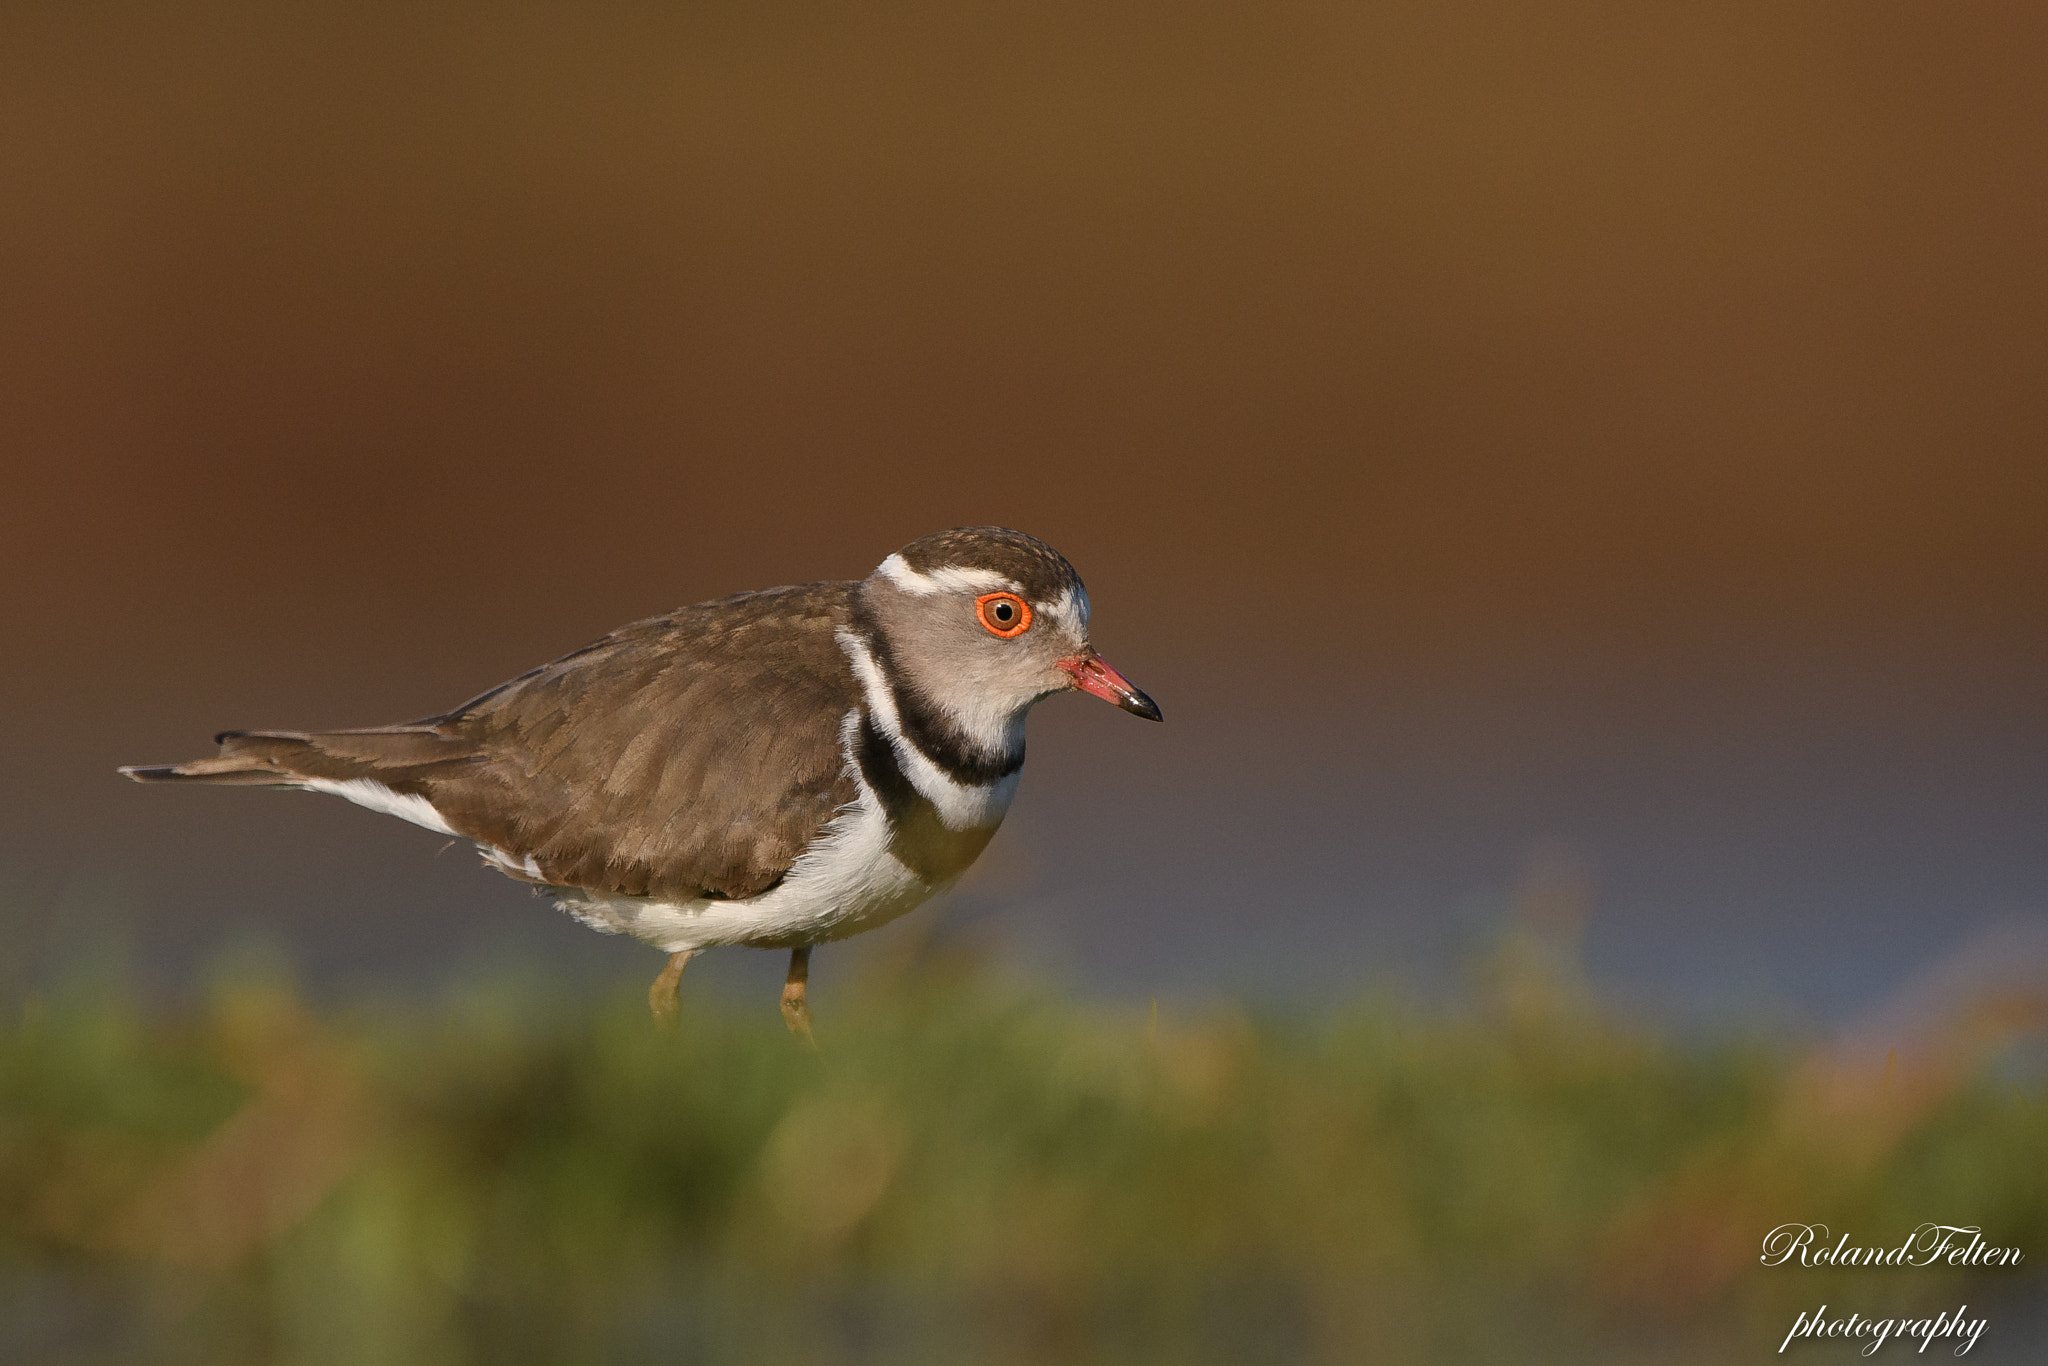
<point x="1505" y="438"/>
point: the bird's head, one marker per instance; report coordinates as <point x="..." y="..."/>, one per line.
<point x="984" y="622"/>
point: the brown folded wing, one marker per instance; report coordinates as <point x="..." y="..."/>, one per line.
<point x="694" y="754"/>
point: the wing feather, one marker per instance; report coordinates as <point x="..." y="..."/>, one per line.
<point x="693" y="754"/>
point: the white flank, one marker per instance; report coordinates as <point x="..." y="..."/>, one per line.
<point x="847" y="881"/>
<point x="377" y="797"/>
<point x="961" y="806"/>
<point x="948" y="579"/>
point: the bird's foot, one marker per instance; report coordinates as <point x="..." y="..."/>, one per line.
<point x="661" y="997"/>
<point x="797" y="1016"/>
<point x="796" y="1012"/>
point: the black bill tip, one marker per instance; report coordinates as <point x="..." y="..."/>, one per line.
<point x="1138" y="704"/>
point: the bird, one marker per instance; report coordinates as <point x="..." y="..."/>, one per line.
<point x="776" y="769"/>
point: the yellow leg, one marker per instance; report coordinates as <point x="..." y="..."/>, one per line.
<point x="795" y="1013"/>
<point x="661" y="997"/>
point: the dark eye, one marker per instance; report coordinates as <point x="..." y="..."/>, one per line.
<point x="1003" y="614"/>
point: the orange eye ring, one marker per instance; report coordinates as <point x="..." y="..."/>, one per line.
<point x="1003" y="614"/>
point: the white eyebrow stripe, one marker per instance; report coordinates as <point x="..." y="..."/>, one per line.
<point x="1070" y="611"/>
<point x="949" y="579"/>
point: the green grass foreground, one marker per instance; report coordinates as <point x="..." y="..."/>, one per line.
<point x="967" y="1172"/>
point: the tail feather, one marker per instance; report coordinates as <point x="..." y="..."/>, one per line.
<point x="208" y="771"/>
<point x="289" y="758"/>
<point x="250" y="759"/>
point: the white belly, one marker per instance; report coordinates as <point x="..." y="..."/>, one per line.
<point x="846" y="882"/>
<point x="858" y="873"/>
